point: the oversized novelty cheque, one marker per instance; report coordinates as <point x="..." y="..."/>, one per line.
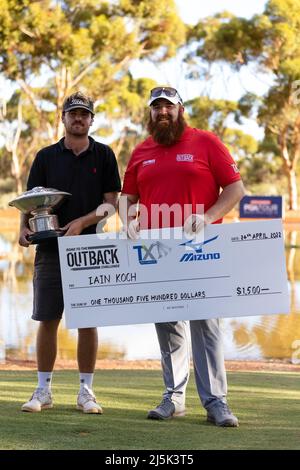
<point x="237" y="269"/>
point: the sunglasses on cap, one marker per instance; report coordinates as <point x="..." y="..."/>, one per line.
<point x="165" y="92"/>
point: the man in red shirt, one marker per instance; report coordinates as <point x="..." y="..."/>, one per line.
<point x="181" y="167"/>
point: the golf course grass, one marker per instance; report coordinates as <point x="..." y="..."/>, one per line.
<point x="266" y="403"/>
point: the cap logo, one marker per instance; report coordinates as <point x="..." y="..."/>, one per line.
<point x="74" y="101"/>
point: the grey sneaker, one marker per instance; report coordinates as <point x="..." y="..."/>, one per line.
<point x="220" y="415"/>
<point x="41" y="399"/>
<point x="166" y="409"/>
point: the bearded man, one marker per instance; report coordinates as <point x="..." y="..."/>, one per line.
<point x="181" y="166"/>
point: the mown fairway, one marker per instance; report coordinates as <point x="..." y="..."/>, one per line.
<point x="267" y="404"/>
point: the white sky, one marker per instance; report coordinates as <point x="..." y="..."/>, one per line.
<point x="192" y="10"/>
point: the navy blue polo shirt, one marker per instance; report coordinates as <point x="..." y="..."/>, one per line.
<point x="86" y="176"/>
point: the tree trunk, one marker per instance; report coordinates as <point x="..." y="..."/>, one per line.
<point x="16" y="171"/>
<point x="19" y="185"/>
<point x="290" y="165"/>
<point x="293" y="191"/>
<point x="291" y="240"/>
<point x="12" y="146"/>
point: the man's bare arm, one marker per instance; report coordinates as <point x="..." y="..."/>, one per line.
<point x="128" y="215"/>
<point x="125" y="203"/>
<point x="228" y="198"/>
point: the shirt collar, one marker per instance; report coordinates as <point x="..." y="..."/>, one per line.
<point x="90" y="148"/>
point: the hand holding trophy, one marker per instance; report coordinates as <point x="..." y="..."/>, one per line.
<point x="40" y="202"/>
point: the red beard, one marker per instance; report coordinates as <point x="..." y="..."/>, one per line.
<point x="166" y="132"/>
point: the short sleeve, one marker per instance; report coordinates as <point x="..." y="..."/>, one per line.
<point x="130" y="178"/>
<point x="112" y="182"/>
<point x="37" y="174"/>
<point x="221" y="162"/>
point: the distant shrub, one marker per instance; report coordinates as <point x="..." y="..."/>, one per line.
<point x="7" y="185"/>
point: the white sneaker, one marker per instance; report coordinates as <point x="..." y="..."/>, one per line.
<point x="41" y="400"/>
<point x="86" y="402"/>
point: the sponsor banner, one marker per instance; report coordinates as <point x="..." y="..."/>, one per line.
<point x="264" y="207"/>
<point x="235" y="270"/>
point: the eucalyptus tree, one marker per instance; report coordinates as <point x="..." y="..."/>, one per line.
<point x="50" y="48"/>
<point x="270" y="41"/>
<point x="220" y="117"/>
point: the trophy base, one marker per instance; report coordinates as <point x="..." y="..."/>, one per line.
<point x="46" y="235"/>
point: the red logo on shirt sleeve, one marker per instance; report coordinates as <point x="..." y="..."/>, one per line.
<point x="234" y="167"/>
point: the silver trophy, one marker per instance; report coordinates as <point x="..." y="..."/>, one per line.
<point x="40" y="202"/>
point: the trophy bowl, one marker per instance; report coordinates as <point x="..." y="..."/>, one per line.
<point x="40" y="202"/>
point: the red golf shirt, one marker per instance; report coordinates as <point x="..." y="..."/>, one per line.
<point x="190" y="172"/>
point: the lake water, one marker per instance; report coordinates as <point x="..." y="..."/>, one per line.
<point x="252" y="338"/>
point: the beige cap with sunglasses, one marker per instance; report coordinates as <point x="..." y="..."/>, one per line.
<point x="167" y="93"/>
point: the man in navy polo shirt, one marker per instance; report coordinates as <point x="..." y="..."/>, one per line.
<point x="88" y="170"/>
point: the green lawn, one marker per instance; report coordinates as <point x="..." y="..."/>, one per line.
<point x="267" y="404"/>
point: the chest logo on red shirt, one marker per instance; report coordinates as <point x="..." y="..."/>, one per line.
<point x="184" y="157"/>
<point x="149" y="162"/>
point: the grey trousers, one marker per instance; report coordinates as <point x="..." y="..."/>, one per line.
<point x="208" y="359"/>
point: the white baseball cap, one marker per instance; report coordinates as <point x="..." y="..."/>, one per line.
<point x="168" y="93"/>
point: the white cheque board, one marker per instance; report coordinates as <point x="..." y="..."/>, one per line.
<point x="238" y="269"/>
